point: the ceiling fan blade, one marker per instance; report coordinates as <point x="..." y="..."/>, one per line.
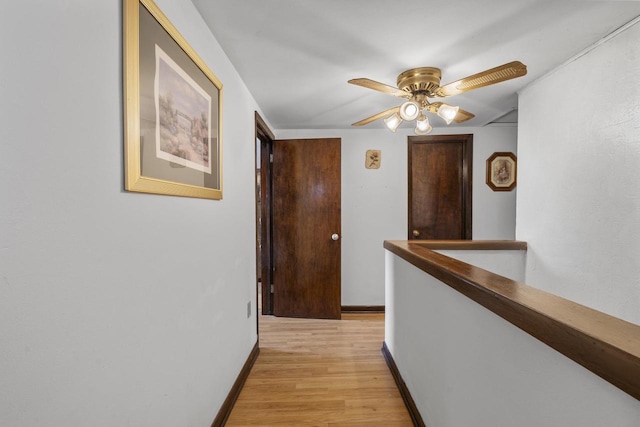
<point x="380" y="87"/>
<point x="377" y="116"/>
<point x="495" y="75"/>
<point x="461" y="116"/>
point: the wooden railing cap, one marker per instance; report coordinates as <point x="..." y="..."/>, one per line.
<point x="604" y="344"/>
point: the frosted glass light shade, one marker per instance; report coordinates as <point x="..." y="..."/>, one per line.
<point x="448" y="112"/>
<point x="409" y="110"/>
<point x="423" y="126"/>
<point x="393" y="121"/>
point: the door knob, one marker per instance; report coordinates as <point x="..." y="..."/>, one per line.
<point x="416" y="233"/>
<point x="335" y="236"/>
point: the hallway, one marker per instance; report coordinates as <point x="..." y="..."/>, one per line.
<point x="320" y="373"/>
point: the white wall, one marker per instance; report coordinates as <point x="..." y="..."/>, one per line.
<point x="578" y="197"/>
<point x="116" y="308"/>
<point x="466" y="366"/>
<point x="374" y="201"/>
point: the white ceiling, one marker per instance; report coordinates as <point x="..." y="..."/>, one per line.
<point x="296" y="56"/>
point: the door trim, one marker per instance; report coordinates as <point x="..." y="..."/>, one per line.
<point x="263" y="233"/>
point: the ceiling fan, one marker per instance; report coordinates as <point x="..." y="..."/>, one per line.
<point x="418" y="85"/>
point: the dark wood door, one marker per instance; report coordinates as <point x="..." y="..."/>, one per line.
<point x="306" y="228"/>
<point x="440" y="187"/>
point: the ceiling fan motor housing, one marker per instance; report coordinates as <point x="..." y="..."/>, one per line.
<point x="423" y="79"/>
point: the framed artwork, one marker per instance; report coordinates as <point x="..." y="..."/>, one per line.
<point x="372" y="159"/>
<point x="172" y="110"/>
<point x="502" y="171"/>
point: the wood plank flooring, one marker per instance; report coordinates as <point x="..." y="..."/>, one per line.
<point x="314" y="372"/>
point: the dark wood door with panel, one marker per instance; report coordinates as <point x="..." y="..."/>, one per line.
<point x="440" y="187"/>
<point x="306" y="228"/>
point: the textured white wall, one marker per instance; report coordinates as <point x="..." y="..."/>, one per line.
<point x="578" y="196"/>
<point x="374" y="201"/>
<point x="465" y="366"/>
<point x="116" y="308"/>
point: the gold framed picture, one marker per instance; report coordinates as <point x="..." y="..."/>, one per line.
<point x="502" y="171"/>
<point x="172" y="109"/>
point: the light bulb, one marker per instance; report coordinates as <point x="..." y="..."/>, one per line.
<point x="409" y="110"/>
<point x="448" y="112"/>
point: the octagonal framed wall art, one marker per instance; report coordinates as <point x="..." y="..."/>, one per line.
<point x="502" y="168"/>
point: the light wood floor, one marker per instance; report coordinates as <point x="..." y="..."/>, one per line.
<point x="320" y="373"/>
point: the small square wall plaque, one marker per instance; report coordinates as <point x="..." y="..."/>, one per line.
<point x="372" y="160"/>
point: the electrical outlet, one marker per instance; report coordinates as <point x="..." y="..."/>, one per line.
<point x="249" y="309"/>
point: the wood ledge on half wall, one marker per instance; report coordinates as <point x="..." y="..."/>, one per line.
<point x="606" y="345"/>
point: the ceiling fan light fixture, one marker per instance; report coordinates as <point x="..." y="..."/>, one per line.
<point x="418" y="84"/>
<point x="409" y="110"/>
<point x="423" y="126"/>
<point x="448" y="112"/>
<point x="393" y="121"/>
